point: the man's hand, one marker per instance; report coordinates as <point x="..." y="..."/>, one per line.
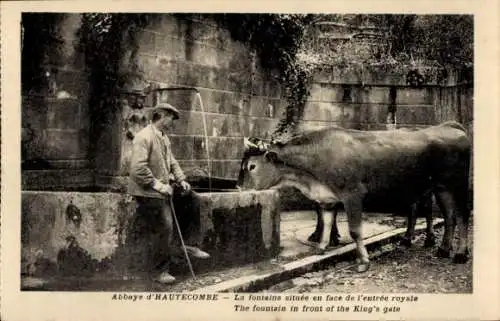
<point x="162" y="188"/>
<point x="185" y="186"/>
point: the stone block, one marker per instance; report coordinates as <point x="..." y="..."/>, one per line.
<point x="194" y="167"/>
<point x="65" y="144"/>
<point x="271" y="88"/>
<point x="220" y="125"/>
<point x="258" y="106"/>
<point x="371" y="75"/>
<point x="63" y="114"/>
<point x="280" y="108"/>
<point x="467" y="105"/>
<point x="34" y="122"/>
<point x="236" y="103"/>
<point x="187" y="74"/>
<point x="415" y="115"/>
<point x="205" y="54"/>
<point x="217" y="125"/>
<point x="56" y="179"/>
<point x="72" y="81"/>
<point x="326" y="92"/>
<point x="147" y="41"/>
<point x="324" y="111"/>
<point x="240" y="57"/>
<point x="226" y="147"/>
<point x="237" y="126"/>
<point x="200" y="31"/>
<point x="182" y="100"/>
<point x="228" y="169"/>
<point x="306" y="125"/>
<point x="412" y="96"/>
<point x="159" y="68"/>
<point x="168" y="24"/>
<point x="189" y="123"/>
<point x="261" y="127"/>
<point x="239" y="81"/>
<point x="169" y="46"/>
<point x="370" y="95"/>
<point x="373" y="113"/>
<point x="199" y="148"/>
<point x="190" y="74"/>
<point x="182" y="147"/>
<point x="351" y="114"/>
<point x="212" y="100"/>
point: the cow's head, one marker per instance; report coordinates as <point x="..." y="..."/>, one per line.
<point x="258" y="169"/>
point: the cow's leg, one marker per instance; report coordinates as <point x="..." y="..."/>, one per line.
<point x="444" y="199"/>
<point x="327" y="229"/>
<point x="334" y="237"/>
<point x="462" y="219"/>
<point x="316" y="235"/>
<point x="425" y="206"/>
<point x="411" y="220"/>
<point x="354" y="208"/>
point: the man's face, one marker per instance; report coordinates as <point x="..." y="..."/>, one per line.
<point x="166" y="121"/>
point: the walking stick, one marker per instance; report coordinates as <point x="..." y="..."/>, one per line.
<point x="180" y="236"/>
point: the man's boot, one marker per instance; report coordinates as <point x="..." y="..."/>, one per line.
<point x="196" y="252"/>
<point x="165" y="278"/>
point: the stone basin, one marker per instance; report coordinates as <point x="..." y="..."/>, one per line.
<point x="81" y="233"/>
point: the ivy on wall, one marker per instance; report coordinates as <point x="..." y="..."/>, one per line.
<point x="277" y="38"/>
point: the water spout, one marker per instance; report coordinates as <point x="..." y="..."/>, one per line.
<point x="198" y="96"/>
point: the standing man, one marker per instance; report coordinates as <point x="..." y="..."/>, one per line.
<point x="152" y="164"/>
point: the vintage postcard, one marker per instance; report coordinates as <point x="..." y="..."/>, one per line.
<point x="212" y="160"/>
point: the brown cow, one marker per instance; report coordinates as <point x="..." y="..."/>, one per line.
<point x="382" y="171"/>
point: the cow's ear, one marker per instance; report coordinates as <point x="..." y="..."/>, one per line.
<point x="272" y="156"/>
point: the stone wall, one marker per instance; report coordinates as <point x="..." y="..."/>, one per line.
<point x="55" y="115"/>
<point x="363" y="101"/>
<point x="237" y="98"/>
<point x="54" y="107"/>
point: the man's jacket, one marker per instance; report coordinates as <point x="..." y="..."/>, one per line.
<point x="151" y="160"/>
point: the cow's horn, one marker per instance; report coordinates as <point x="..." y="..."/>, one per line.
<point x="249" y="144"/>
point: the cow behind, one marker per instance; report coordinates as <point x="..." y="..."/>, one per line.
<point x="359" y="169"/>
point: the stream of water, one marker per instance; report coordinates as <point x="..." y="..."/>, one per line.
<point x="203" y="116"/>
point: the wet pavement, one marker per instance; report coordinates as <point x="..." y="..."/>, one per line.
<point x="295" y="229"/>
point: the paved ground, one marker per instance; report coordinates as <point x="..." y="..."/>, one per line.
<point x="414" y="270"/>
<point x="295" y="228"/>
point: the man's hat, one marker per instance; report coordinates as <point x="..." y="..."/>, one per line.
<point x="167" y="107"/>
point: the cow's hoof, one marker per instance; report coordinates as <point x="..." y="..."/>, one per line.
<point x="313" y="238"/>
<point x="443" y="253"/>
<point x="362" y="267"/>
<point x="429" y="242"/>
<point x="405" y="241"/>
<point x="461" y="258"/>
<point x="319" y="251"/>
<point x="334" y="242"/>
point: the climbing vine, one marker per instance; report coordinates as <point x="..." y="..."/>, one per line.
<point x="106" y="38"/>
<point x="277" y="39"/>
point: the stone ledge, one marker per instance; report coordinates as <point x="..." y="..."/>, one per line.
<point x="56" y="179"/>
<point x="93" y="230"/>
